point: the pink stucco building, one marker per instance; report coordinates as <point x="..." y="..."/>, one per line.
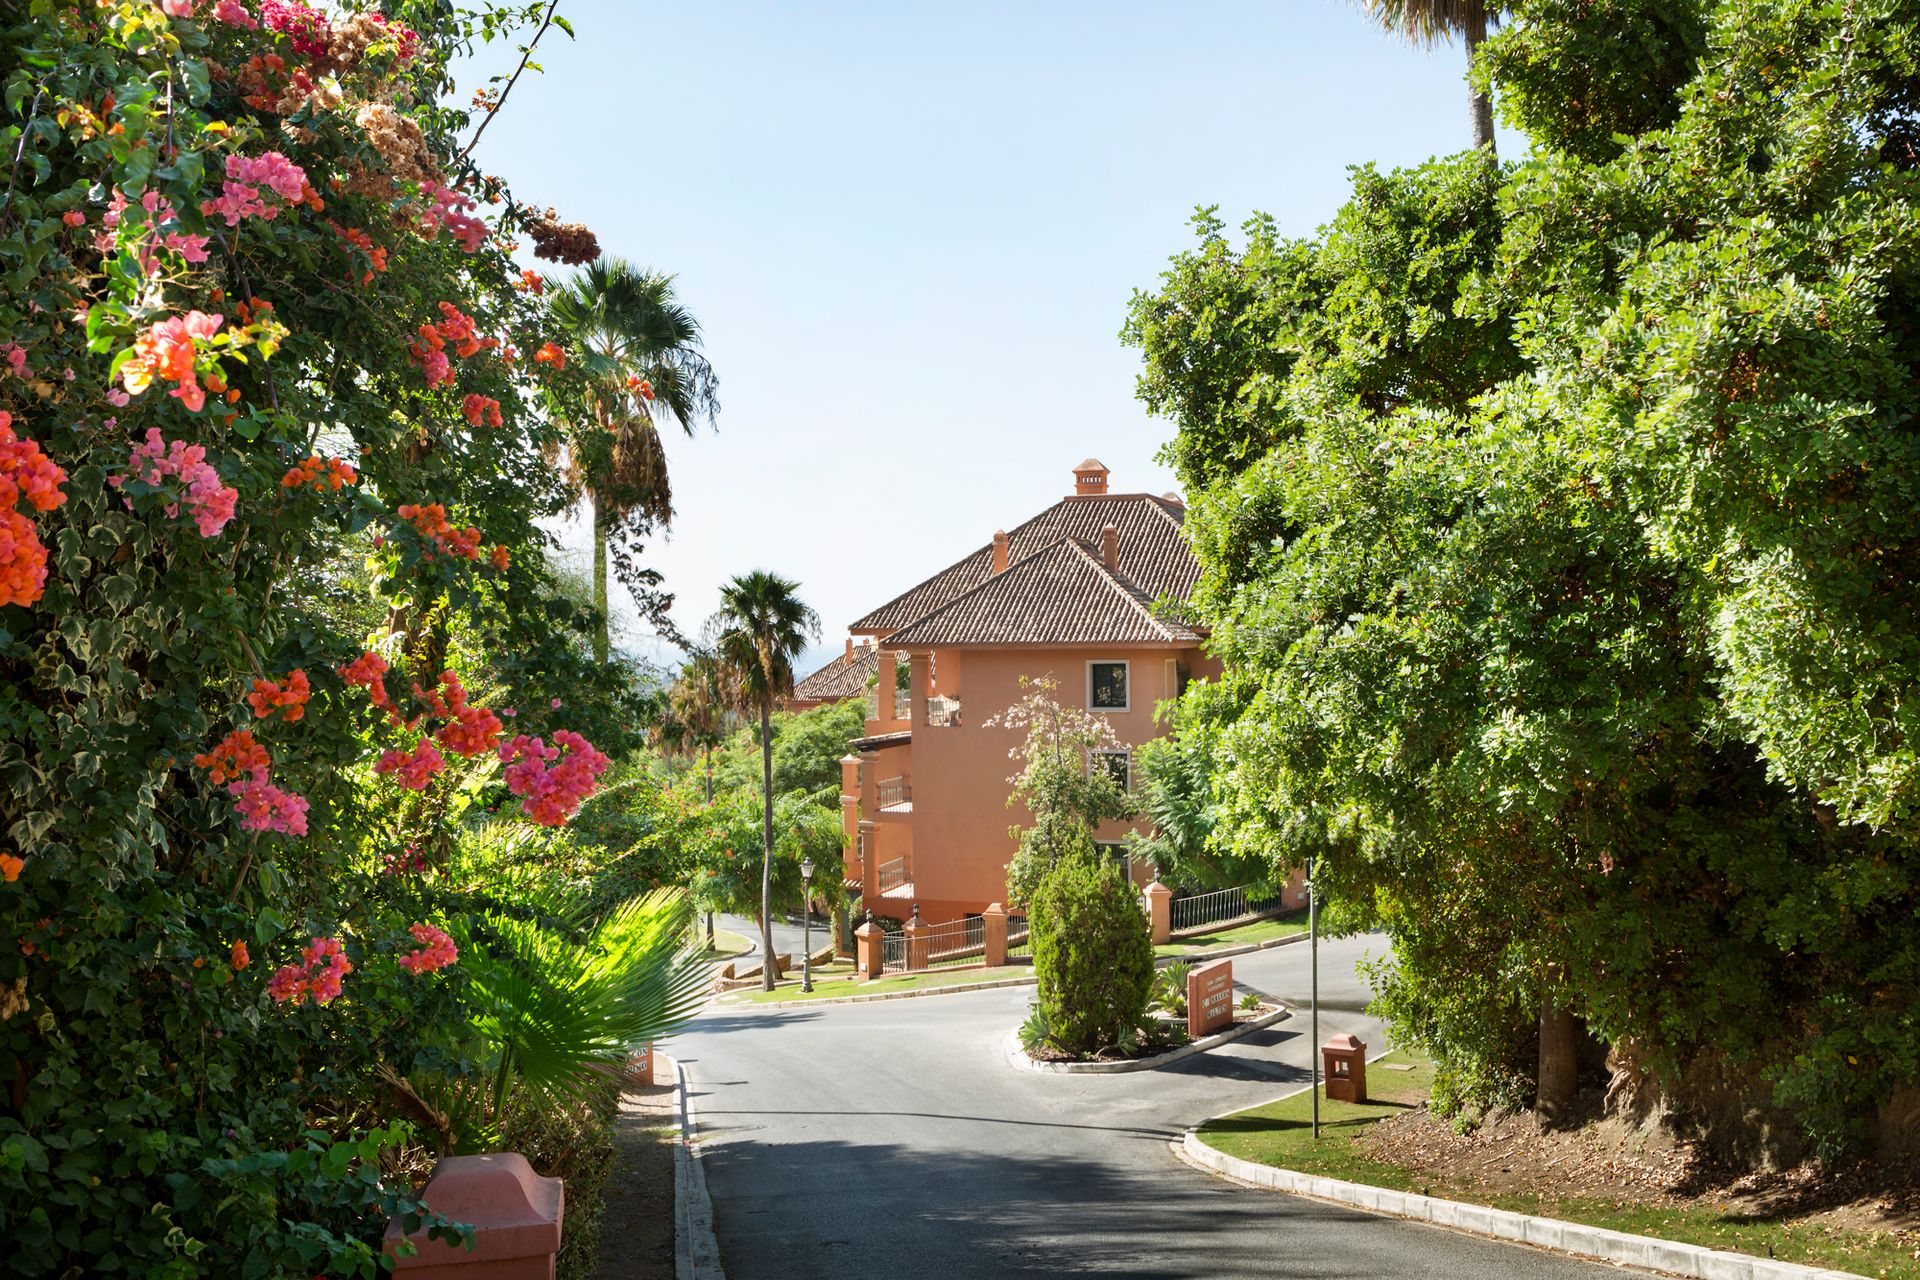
<point x="1071" y="593"/>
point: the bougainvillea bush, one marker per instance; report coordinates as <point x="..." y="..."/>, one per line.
<point x="263" y="345"/>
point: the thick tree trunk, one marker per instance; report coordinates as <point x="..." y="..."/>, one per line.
<point x="601" y="647"/>
<point x="1559" y="1068"/>
<point x="1482" y="103"/>
<point x="766" y="831"/>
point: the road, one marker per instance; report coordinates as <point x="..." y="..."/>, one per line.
<point x="894" y="1139"/>
<point x="788" y="934"/>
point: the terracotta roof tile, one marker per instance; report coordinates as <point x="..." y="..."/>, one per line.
<point x="1063" y="595"/>
<point x="1154" y="557"/>
<point x="844" y="677"/>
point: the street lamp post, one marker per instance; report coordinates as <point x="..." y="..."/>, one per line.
<point x="1313" y="944"/>
<point x="806" y="917"/>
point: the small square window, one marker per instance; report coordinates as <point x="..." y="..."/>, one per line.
<point x="1119" y="767"/>
<point x="1107" y="686"/>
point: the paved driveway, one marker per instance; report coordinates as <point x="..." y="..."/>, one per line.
<point x="893" y="1139"/>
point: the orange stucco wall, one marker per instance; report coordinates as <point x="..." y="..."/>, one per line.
<point x="957" y="835"/>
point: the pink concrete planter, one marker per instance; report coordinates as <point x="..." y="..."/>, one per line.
<point x="514" y="1211"/>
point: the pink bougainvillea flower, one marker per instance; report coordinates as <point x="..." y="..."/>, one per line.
<point x="265" y="807"/>
<point x="550" y="793"/>
<point x="318" y="974"/>
<point x="435" y="952"/>
<point x="412" y="770"/>
<point x="155" y="462"/>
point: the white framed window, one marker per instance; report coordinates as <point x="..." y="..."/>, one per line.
<point x="1108" y="686"/>
<point x="1118" y="765"/>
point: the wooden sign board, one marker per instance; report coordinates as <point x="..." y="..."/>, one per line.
<point x="1209" y="998"/>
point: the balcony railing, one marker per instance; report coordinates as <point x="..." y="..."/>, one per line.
<point x="893" y="874"/>
<point x="943" y="713"/>
<point x="890" y="792"/>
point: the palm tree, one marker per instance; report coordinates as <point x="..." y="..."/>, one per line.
<point x="699" y="702"/>
<point x="1431" y="22"/>
<point x="761" y="627"/>
<point x="641" y="349"/>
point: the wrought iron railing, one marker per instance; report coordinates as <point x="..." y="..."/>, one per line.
<point x="893" y="874"/>
<point x="1019" y="939"/>
<point x="957" y="942"/>
<point x="1203" y="909"/>
<point x="889" y="792"/>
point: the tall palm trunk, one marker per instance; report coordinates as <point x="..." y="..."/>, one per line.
<point x="1482" y="103"/>
<point x="766" y="833"/>
<point x="600" y="634"/>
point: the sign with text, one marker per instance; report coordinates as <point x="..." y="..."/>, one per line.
<point x="1209" y="998"/>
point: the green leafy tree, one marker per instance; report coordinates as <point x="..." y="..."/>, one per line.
<point x="639" y="350"/>
<point x="1092" y="954"/>
<point x="1584" y="670"/>
<point x="760" y="629"/>
<point x="1062" y="784"/>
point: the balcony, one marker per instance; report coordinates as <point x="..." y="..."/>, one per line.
<point x="943" y="713"/>
<point x="894" y="795"/>
<point x="894" y="874"/>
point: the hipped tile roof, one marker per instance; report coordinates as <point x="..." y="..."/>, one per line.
<point x="1154" y="564"/>
<point x="1062" y="595"/>
<point x="844" y="677"/>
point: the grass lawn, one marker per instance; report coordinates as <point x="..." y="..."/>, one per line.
<point x="727" y="944"/>
<point x="840" y="980"/>
<point x="1239" y="936"/>
<point x="1280" y="1133"/>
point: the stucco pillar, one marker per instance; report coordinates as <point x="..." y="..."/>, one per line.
<point x="920" y="686"/>
<point x="994" y="918"/>
<point x="870" y="948"/>
<point x="916" y="931"/>
<point x="515" y="1213"/>
<point x="883" y="691"/>
<point x="1160" y="911"/>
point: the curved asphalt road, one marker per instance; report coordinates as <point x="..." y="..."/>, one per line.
<point x="894" y="1139"/>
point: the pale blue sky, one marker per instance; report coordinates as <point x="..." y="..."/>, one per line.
<point x="911" y="229"/>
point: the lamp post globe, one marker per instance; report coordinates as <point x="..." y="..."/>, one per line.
<point x="806" y="919"/>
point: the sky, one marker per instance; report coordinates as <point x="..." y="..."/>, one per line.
<point x="910" y="232"/>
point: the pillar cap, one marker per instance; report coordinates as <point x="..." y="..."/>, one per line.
<point x="1346" y="1043"/>
<point x="994" y="909"/>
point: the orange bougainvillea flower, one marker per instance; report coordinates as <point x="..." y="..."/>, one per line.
<point x="240" y="957"/>
<point x="238" y="756"/>
<point x="11" y="867"/>
<point x="288" y="696"/>
<point x="320" y="474"/>
<point x="551" y="354"/>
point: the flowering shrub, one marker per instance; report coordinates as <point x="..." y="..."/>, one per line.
<point x="213" y="432"/>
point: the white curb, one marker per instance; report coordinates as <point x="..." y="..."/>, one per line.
<point x="1580" y="1241"/>
<point x="696" y="1252"/>
<point x="1019" y="1057"/>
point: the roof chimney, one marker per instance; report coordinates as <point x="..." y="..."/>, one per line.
<point x="849" y="648"/>
<point x="1000" y="551"/>
<point x="1090" y="477"/>
<point x="1110" y="548"/>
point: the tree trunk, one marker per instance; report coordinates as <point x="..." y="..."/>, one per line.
<point x="766" y="831"/>
<point x="709" y="775"/>
<point x="601" y="647"/>
<point x="1559" y="1068"/>
<point x="1482" y="103"/>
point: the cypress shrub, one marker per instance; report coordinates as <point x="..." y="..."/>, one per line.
<point x="1092" y="952"/>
